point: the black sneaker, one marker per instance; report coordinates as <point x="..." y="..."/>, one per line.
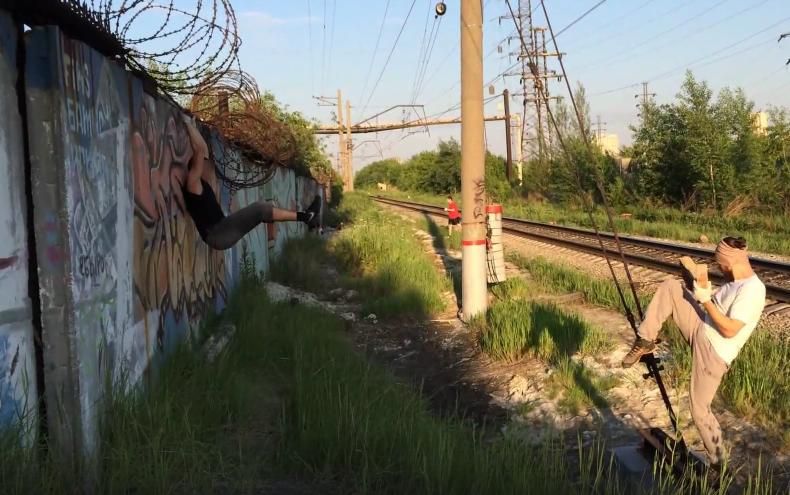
<point x="314" y="213"/>
<point x="640" y="348"/>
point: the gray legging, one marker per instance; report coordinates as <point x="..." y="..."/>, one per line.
<point x="228" y="231"/>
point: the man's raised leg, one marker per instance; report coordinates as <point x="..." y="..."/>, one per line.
<point x="671" y="299"/>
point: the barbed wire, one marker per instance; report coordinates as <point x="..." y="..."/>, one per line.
<point x="234" y="106"/>
<point x="181" y="48"/>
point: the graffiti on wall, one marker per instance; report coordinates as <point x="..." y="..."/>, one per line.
<point x="17" y="373"/>
<point x="176" y="276"/>
<point x="282" y="193"/>
<point x="95" y="122"/>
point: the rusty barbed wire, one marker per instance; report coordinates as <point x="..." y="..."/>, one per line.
<point x="181" y="48"/>
<point x="234" y="106"/>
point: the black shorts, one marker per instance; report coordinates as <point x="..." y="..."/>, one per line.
<point x="453" y="221"/>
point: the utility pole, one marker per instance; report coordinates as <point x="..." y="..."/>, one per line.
<point x="341" y="142"/>
<point x="509" y="152"/>
<point x="473" y="190"/>
<point x="519" y="155"/>
<point x="349" y="150"/>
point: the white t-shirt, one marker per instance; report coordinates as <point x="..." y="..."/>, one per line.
<point x="741" y="300"/>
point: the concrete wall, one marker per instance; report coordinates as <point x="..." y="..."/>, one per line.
<point x="17" y="358"/>
<point x="123" y="274"/>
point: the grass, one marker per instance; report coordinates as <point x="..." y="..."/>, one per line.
<point x="377" y="255"/>
<point x="514" y="327"/>
<point x="756" y="387"/>
<point x="578" y="387"/>
<point x="765" y="233"/>
<point x="289" y="406"/>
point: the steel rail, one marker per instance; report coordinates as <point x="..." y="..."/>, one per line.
<point x="527" y="228"/>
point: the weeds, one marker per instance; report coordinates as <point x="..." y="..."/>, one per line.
<point x="578" y="387"/>
<point x="764" y="232"/>
<point x="513" y="328"/>
<point x="376" y="254"/>
<point x="756" y="386"/>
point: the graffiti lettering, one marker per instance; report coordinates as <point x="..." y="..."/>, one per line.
<point x="92" y="266"/>
<point x="79" y="117"/>
<point x="480" y="198"/>
<point x="77" y="76"/>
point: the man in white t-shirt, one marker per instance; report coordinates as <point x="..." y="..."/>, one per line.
<point x="715" y="324"/>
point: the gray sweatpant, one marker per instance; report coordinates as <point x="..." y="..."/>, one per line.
<point x="707" y="368"/>
<point x="227" y="232"/>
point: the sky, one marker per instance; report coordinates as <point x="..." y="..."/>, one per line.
<point x="301" y="49"/>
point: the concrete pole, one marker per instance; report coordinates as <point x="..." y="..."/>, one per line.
<point x="508" y="144"/>
<point x="473" y="189"/>
<point x="519" y="154"/>
<point x="341" y="143"/>
<point x="349" y="148"/>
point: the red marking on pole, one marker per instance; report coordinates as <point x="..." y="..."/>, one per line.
<point x="479" y="242"/>
<point x="494" y="209"/>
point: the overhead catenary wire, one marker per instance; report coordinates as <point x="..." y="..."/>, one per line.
<point x="310" y="46"/>
<point x="421" y="82"/>
<point x="389" y="57"/>
<point x="423" y="51"/>
<point x="375" y="48"/>
<point x="332" y="34"/>
<point x="323" y="49"/>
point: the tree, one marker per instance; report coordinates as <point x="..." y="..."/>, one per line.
<point x="383" y="171"/>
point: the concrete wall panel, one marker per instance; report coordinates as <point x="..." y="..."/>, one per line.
<point x="18" y="393"/>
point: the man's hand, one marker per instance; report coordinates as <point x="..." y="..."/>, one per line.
<point x="702" y="292"/>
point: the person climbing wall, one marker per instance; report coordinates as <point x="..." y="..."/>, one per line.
<point x="217" y="230"/>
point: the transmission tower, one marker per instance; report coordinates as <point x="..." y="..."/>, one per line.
<point x="536" y="141"/>
<point x="646" y="97"/>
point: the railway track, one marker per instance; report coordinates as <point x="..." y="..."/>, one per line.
<point x="655" y="254"/>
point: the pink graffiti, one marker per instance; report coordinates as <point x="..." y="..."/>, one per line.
<point x="8" y="262"/>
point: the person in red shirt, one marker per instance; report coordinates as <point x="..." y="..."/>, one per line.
<point x="453" y="214"/>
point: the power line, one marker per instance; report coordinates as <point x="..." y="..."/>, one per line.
<point x="703" y="58"/>
<point x="323" y="50"/>
<point x="332" y="33"/>
<point x="310" y="44"/>
<point x="652" y="38"/>
<point x="376" y="48"/>
<point x="614" y="21"/>
<point x="386" y="63"/>
<point x="601" y="2"/>
<point x="638" y="27"/>
<point x="421" y="83"/>
<point x="423" y="51"/>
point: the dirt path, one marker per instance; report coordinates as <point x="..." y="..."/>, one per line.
<point x="634" y="402"/>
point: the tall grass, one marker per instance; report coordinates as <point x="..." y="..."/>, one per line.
<point x="290" y="404"/>
<point x="389" y="266"/>
<point x="512" y="329"/>
<point x="757" y="386"/>
<point x="376" y="254"/>
<point x="764" y="232"/>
